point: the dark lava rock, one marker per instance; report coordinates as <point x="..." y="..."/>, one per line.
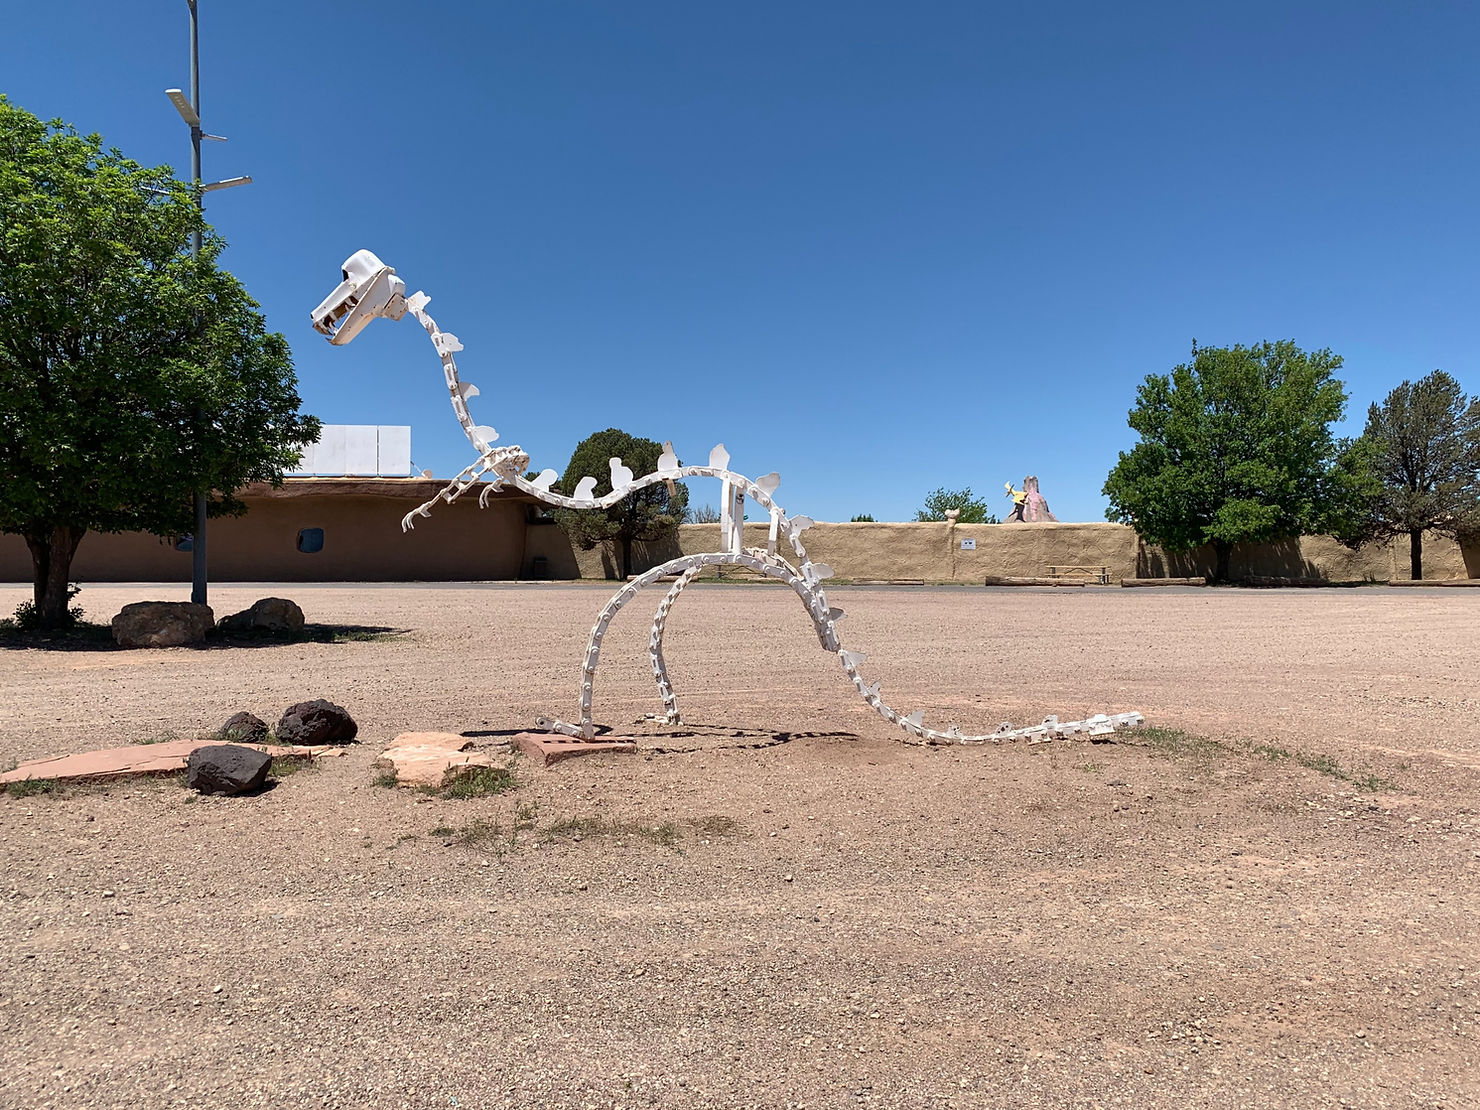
<point x="243" y="728"/>
<point x="227" y="769"/>
<point x="316" y="722"/>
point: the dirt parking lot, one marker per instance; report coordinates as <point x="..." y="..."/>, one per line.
<point x="1269" y="901"/>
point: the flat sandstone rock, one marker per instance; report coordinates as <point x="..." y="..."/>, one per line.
<point x="139" y="759"/>
<point x="429" y="758"/>
<point x="551" y="748"/>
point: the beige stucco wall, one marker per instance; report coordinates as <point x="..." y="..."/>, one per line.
<point x="1317" y="557"/>
<point x="933" y="552"/>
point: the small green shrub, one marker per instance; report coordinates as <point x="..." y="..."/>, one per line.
<point x="479" y="783"/>
<point x="282" y="767"/>
<point x="28" y="620"/>
<point x="28" y="788"/>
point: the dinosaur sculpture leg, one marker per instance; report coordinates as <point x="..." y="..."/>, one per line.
<point x="655" y="646"/>
<point x="771" y="567"/>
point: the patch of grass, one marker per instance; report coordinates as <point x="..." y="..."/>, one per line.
<point x="526" y="816"/>
<point x="478" y="783"/>
<point x="386" y="779"/>
<point x="1327" y="765"/>
<point x="166" y="736"/>
<point x="1090" y="768"/>
<point x="1324" y="764"/>
<point x="716" y="824"/>
<point x="1177" y="743"/>
<point x="282" y="767"/>
<point x="475" y="834"/>
<point x="479" y="834"/>
<point x="570" y="828"/>
<point x="231" y="736"/>
<point x="29" y="788"/>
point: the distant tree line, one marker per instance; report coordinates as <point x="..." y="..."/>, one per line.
<point x="1236" y="446"/>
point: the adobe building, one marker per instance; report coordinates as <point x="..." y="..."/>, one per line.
<point x="337" y="518"/>
<point x="325" y="530"/>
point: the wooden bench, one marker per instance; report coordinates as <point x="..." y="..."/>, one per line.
<point x="1081" y="572"/>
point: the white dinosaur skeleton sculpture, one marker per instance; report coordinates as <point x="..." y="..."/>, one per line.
<point x="371" y="289"/>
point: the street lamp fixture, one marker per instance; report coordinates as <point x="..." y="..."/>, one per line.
<point x="229" y="183"/>
<point x="183" y="106"/>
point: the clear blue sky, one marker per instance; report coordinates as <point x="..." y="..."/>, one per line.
<point x="877" y="247"/>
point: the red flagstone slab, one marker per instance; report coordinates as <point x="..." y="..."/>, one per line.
<point x="552" y="747"/>
<point x="138" y="759"/>
<point x="428" y="758"/>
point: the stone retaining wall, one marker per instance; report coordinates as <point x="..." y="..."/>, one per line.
<point x="932" y="553"/>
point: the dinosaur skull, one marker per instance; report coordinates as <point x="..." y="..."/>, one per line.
<point x="370" y="288"/>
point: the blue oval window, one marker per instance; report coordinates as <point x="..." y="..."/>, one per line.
<point x="311" y="540"/>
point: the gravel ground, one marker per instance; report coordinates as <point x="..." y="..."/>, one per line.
<point x="781" y="904"/>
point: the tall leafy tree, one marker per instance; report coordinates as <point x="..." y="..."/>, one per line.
<point x="648" y="514"/>
<point x="1424" y="447"/>
<point x="130" y="375"/>
<point x="973" y="509"/>
<point x="1236" y="447"/>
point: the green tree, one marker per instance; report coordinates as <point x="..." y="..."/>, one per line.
<point x="1424" y="448"/>
<point x="648" y="514"/>
<point x="861" y="518"/>
<point x="1236" y="447"/>
<point x="973" y="509"/>
<point x="130" y="375"/>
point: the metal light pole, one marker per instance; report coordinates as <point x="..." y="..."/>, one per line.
<point x="189" y="110"/>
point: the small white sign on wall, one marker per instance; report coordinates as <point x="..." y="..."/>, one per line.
<point x="968" y="545"/>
